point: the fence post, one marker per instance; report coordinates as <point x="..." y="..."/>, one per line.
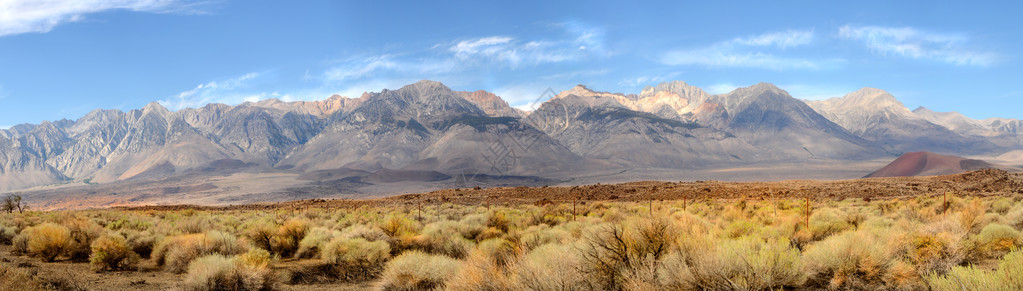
<point x="807" y="213"/>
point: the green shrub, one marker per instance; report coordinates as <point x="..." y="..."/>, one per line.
<point x="111" y="252"/>
<point x="1009" y="276"/>
<point x="7" y="235"/>
<point x="415" y="270"/>
<point x="997" y="239"/>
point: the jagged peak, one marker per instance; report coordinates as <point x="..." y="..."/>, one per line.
<point x="922" y="109"/>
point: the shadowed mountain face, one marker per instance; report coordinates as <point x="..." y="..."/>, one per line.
<point x="428" y="132"/>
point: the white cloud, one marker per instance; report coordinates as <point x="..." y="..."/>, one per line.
<point x="225" y="91"/>
<point x="781" y="39"/>
<point x="486" y="44"/>
<point x="721" y="88"/>
<point x="453" y="57"/>
<point x="508" y="51"/>
<point x="648" y="80"/>
<point x="527" y="97"/>
<point x="713" y="57"/>
<point x="917" y="44"/>
<point x="27" y="16"/>
<point x="356" y="69"/>
<point x="740" y="52"/>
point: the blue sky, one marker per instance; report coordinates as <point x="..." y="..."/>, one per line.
<point x="62" y="59"/>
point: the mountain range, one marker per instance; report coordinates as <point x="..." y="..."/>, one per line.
<point x="428" y="131"/>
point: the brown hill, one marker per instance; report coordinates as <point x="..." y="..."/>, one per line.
<point x="928" y="164"/>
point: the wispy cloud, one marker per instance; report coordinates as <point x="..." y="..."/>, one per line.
<point x="781" y="39"/>
<point x="750" y="52"/>
<point x="918" y="44"/>
<point x="496" y="52"/>
<point x="27" y="16"/>
<point x="224" y="91"/>
<point x="648" y="80"/>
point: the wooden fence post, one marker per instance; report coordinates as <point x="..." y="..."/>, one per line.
<point x="807" y="213"/>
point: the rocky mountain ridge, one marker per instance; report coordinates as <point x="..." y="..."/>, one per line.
<point x="427" y="127"/>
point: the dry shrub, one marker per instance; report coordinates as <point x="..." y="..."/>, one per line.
<point x="111" y="252"/>
<point x="250" y="271"/>
<point x="397" y="226"/>
<point x="550" y="267"/>
<point x="499" y="221"/>
<point x="47" y="240"/>
<point x="996" y="239"/>
<point x="313" y="242"/>
<point x="415" y="270"/>
<point x="538" y="235"/>
<point x="288" y="236"/>
<point x="851" y="260"/>
<point x="443" y="238"/>
<point x="13" y="279"/>
<point x="365" y="232"/>
<point x="609" y="252"/>
<point x="193" y="224"/>
<point x="83" y="232"/>
<point x="176" y="252"/>
<point x="605" y="254"/>
<point x="141" y="243"/>
<point x="481" y="272"/>
<point x="356" y="259"/>
<point x="971" y="214"/>
<point x="937" y="247"/>
<point x="749" y="263"/>
<point x="262" y="235"/>
<point x="1009" y="276"/>
<point x="828" y="222"/>
<point x="500" y="251"/>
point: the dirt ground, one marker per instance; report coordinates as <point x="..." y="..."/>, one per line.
<point x="67" y="275"/>
<point x="976" y="183"/>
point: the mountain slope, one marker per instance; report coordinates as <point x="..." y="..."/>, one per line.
<point x="426" y="125"/>
<point x="782" y="127"/>
<point x="876" y="115"/>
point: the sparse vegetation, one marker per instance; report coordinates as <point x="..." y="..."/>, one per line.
<point x="915" y="243"/>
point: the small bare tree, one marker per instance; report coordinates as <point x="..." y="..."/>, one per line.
<point x="13" y="202"/>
